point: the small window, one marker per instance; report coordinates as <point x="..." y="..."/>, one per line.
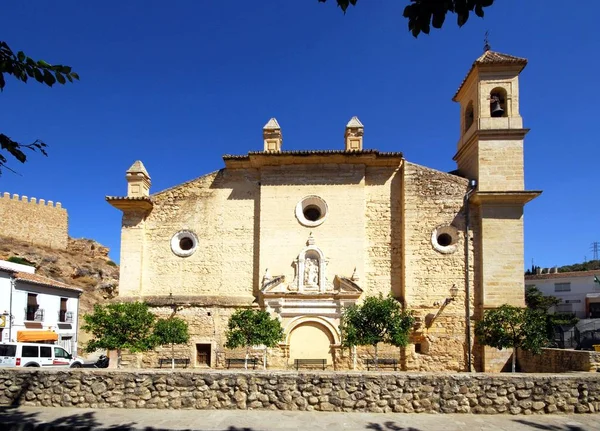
<point x="62" y="314"/>
<point x="184" y="243"/>
<point x="564" y="308"/>
<point x="311" y="211"/>
<point x="45" y="352"/>
<point x="8" y="350"/>
<point x="30" y="352"/>
<point x="445" y="239"/>
<point x="562" y="287"/>
<point x="418" y="348"/>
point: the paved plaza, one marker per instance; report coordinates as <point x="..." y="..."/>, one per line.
<point x="48" y="419"/>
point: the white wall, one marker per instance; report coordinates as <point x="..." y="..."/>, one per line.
<point x="580" y="286"/>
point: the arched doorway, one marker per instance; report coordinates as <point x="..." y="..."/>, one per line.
<point x="311" y="340"/>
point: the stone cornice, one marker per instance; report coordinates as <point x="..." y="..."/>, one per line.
<point x="125" y="203"/>
<point x="505" y="197"/>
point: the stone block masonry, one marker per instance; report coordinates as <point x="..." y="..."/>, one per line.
<point x="320" y="391"/>
<point x="37" y="222"/>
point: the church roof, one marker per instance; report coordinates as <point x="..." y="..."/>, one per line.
<point x="490" y="57"/>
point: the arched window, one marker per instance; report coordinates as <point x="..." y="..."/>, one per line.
<point x="498" y="103"/>
<point x="469" y="116"/>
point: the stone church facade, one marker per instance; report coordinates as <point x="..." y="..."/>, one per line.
<point x="304" y="234"/>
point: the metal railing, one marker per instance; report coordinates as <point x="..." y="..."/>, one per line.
<point x="34" y="315"/>
<point x="65" y="316"/>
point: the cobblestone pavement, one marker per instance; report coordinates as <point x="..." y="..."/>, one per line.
<point x="48" y="419"/>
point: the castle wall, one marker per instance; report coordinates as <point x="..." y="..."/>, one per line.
<point x="38" y="222"/>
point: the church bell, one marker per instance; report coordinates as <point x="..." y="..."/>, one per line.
<point x="496" y="107"/>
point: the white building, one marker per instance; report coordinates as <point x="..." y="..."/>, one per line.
<point x="579" y="292"/>
<point x="37" y="309"/>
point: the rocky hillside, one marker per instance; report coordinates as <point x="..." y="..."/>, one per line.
<point x="84" y="264"/>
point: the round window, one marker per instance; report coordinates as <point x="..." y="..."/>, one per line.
<point x="184" y="243"/>
<point x="445" y="239"/>
<point x="311" y="211"/>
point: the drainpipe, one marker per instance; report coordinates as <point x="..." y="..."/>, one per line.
<point x="10" y="313"/>
<point x="471" y="189"/>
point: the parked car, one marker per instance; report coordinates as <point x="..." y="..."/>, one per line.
<point x="36" y="355"/>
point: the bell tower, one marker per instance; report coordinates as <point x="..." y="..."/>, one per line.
<point x="490" y="151"/>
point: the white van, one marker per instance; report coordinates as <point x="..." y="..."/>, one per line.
<point x="36" y="355"/>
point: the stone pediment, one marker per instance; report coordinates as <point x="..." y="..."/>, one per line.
<point x="341" y="286"/>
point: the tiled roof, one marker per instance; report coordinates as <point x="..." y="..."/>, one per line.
<point x="563" y="275"/>
<point x="43" y="281"/>
<point x="312" y="152"/>
<point x="492" y="57"/>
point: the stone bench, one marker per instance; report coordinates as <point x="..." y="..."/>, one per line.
<point x="383" y="362"/>
<point x="241" y="362"/>
<point x="185" y="362"/>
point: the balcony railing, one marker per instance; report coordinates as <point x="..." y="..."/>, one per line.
<point x="34" y="315"/>
<point x="65" y="316"/>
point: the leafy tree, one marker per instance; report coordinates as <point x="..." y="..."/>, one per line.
<point x="118" y="326"/>
<point x="377" y="320"/>
<point x="249" y="328"/>
<point x="22" y="67"/>
<point x="536" y="300"/>
<point x="171" y="331"/>
<point x="508" y="326"/>
<point x="422" y="14"/>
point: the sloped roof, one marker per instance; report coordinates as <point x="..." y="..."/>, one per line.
<point x="492" y="58"/>
<point x="354" y="122"/>
<point x="310" y="153"/>
<point x="43" y="281"/>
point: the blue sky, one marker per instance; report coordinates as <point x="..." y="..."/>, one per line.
<point x="178" y="84"/>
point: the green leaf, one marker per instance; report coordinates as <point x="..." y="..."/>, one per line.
<point x="49" y="79"/>
<point x="61" y="79"/>
<point x="74" y="76"/>
<point x="21" y="56"/>
<point x="39" y="77"/>
<point x="42" y="63"/>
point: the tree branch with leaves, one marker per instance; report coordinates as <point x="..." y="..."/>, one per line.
<point x="424" y="14"/>
<point x="22" y="67"/>
<point x="377" y="320"/>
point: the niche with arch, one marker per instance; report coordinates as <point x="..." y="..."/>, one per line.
<point x="469" y="116"/>
<point x="498" y="105"/>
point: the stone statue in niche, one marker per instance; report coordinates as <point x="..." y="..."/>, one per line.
<point x="311" y="272"/>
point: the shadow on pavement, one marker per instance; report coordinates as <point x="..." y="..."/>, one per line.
<point x="389" y="426"/>
<point x="544" y="427"/>
<point x="14" y="419"/>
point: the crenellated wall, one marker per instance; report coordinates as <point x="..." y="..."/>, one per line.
<point x="35" y="221"/>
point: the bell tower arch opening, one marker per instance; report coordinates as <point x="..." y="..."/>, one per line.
<point x="498" y="105"/>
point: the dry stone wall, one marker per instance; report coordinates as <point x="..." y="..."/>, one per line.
<point x="37" y="222"/>
<point x="367" y="392"/>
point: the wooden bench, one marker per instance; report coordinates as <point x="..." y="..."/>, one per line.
<point x="383" y="362"/>
<point x="241" y="362"/>
<point x="178" y="361"/>
<point x="300" y="362"/>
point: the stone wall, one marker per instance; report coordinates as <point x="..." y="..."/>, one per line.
<point x="34" y="221"/>
<point x="367" y="392"/>
<point x="558" y="361"/>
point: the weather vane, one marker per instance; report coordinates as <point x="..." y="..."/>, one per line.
<point x="486" y="40"/>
